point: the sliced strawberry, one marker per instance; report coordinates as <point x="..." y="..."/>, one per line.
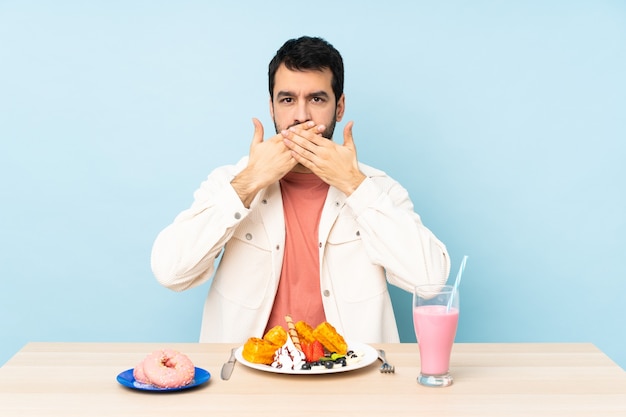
<point x="317" y="350"/>
<point x="307" y="349"/>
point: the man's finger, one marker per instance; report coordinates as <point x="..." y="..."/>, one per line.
<point x="348" y="139"/>
<point x="258" y="131"/>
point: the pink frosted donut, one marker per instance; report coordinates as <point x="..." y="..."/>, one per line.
<point x="167" y="368"/>
<point x="140" y="375"/>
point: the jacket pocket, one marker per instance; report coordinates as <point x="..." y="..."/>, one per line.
<point x="354" y="278"/>
<point x="244" y="275"/>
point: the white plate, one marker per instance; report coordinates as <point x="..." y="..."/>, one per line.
<point x="369" y="356"/>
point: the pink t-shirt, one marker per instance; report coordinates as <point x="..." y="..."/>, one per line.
<point x="299" y="292"/>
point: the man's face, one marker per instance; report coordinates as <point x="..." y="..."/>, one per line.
<point x="300" y="96"/>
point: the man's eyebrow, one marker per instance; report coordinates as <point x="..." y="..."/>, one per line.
<point x="320" y="93"/>
<point x="284" y="93"/>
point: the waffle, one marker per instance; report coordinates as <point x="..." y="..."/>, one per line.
<point x="257" y="350"/>
<point x="330" y="339"/>
<point x="276" y="336"/>
<point x="305" y="332"/>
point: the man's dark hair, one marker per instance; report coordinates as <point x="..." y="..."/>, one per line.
<point x="308" y="53"/>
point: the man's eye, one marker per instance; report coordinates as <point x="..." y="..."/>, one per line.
<point x="317" y="100"/>
<point x="287" y="100"/>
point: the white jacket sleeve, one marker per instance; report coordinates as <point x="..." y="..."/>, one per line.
<point x="184" y="253"/>
<point x="394" y="236"/>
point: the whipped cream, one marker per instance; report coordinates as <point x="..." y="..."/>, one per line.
<point x="288" y="357"/>
<point x="352" y="358"/>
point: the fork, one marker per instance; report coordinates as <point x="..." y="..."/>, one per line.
<point x="386" y="367"/>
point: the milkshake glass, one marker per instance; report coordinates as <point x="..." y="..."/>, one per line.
<point x="435" y="318"/>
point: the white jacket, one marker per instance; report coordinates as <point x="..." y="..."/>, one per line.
<point x="367" y="239"/>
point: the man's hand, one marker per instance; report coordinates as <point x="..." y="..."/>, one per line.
<point x="335" y="164"/>
<point x="268" y="162"/>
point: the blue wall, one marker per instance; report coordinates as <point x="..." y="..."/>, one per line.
<point x="505" y="121"/>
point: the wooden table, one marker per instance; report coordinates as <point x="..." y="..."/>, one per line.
<point x="79" y="379"/>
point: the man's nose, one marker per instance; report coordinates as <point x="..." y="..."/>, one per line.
<point x="301" y="114"/>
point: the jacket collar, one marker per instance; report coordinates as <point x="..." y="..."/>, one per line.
<point x="270" y="204"/>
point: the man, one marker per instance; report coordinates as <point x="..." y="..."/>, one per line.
<point x="303" y="228"/>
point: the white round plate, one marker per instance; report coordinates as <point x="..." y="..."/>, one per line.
<point x="368" y="356"/>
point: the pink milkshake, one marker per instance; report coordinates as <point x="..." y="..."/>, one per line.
<point x="435" y="330"/>
<point x="435" y="317"/>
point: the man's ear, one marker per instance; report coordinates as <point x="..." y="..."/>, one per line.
<point x="341" y="107"/>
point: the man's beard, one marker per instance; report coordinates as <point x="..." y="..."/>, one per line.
<point x="327" y="133"/>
